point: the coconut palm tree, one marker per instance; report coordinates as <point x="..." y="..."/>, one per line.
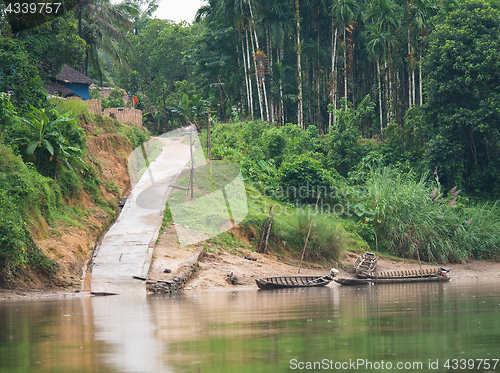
<point x="103" y="25"/>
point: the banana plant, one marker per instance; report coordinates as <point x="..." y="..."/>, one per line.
<point x="43" y="134"/>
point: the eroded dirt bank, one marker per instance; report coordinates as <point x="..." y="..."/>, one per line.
<point x="71" y="244"/>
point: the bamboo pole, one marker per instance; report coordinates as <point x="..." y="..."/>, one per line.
<point x="309" y="231"/>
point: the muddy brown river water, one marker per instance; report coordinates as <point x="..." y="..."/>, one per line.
<point x="402" y="327"/>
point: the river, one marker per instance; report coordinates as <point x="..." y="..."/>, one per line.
<point x="438" y="327"/>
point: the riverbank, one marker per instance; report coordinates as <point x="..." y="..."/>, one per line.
<point x="216" y="269"/>
<point x="198" y="269"/>
<point x="239" y="266"/>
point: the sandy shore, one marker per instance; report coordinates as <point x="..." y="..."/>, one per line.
<point x="239" y="267"/>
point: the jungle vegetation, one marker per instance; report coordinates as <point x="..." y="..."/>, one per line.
<point x="392" y="106"/>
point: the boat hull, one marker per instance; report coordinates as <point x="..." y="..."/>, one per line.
<point x="365" y="263"/>
<point x="367" y="281"/>
<point x="292" y="282"/>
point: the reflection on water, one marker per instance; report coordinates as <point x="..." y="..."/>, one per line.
<point x="253" y="331"/>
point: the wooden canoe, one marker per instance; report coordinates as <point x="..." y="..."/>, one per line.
<point x="367" y="281"/>
<point x="428" y="272"/>
<point x="365" y="263"/>
<point x="292" y="281"/>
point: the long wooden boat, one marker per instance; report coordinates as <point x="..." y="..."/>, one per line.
<point x="292" y="281"/>
<point x="428" y="272"/>
<point x="367" y="281"/>
<point x="365" y="263"/>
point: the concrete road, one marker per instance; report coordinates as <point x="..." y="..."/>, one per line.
<point x="127" y="247"/>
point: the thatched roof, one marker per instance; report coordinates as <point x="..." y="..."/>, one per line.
<point x="69" y="75"/>
<point x="59" y="90"/>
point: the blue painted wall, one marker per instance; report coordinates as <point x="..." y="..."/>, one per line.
<point x="81" y="90"/>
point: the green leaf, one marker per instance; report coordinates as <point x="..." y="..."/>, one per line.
<point x="48" y="146"/>
<point x="31" y="147"/>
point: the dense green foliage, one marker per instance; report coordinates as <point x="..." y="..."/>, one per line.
<point x="463" y="89"/>
<point x="41" y="170"/>
<point x="24" y="195"/>
<point x="352" y="100"/>
<point x="392" y="208"/>
<point x="114" y="99"/>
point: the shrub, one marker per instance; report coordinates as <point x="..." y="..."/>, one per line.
<point x="274" y="143"/>
<point x="114" y="99"/>
<point x="305" y="172"/>
<point x="136" y="135"/>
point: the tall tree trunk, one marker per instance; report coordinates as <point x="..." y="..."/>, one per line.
<point x="391" y="95"/>
<point x="345" y="69"/>
<point x="331" y="82"/>
<point x="386" y="94"/>
<point x="282" y="108"/>
<point x="246" y="75"/>
<point x="270" y="56"/>
<point x="399" y="96"/>
<point x="260" y="79"/>
<point x="409" y="67"/>
<point x="299" y="66"/>
<point x="380" y="95"/>
<point x="257" y="80"/>
<point x="420" y="79"/>
<point x="413" y="79"/>
<point x="334" y="77"/>
<point x="249" y="78"/>
<point x="318" y="107"/>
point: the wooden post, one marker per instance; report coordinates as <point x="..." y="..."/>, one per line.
<point x="309" y="231"/>
<point x="263" y="233"/>
<point x="268" y="231"/>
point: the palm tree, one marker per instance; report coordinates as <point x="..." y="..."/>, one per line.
<point x="344" y="12"/>
<point x="102" y="25"/>
<point x="274" y="21"/>
<point x="419" y="13"/>
<point x="300" y="114"/>
<point x="384" y="20"/>
<point x="377" y="46"/>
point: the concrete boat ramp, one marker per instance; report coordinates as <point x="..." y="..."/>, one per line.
<point x="127" y="248"/>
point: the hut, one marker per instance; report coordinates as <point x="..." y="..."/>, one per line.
<point x="75" y="81"/>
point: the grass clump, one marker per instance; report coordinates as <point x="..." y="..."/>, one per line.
<point x="327" y="240"/>
<point x="414" y="218"/>
<point x="76" y="106"/>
